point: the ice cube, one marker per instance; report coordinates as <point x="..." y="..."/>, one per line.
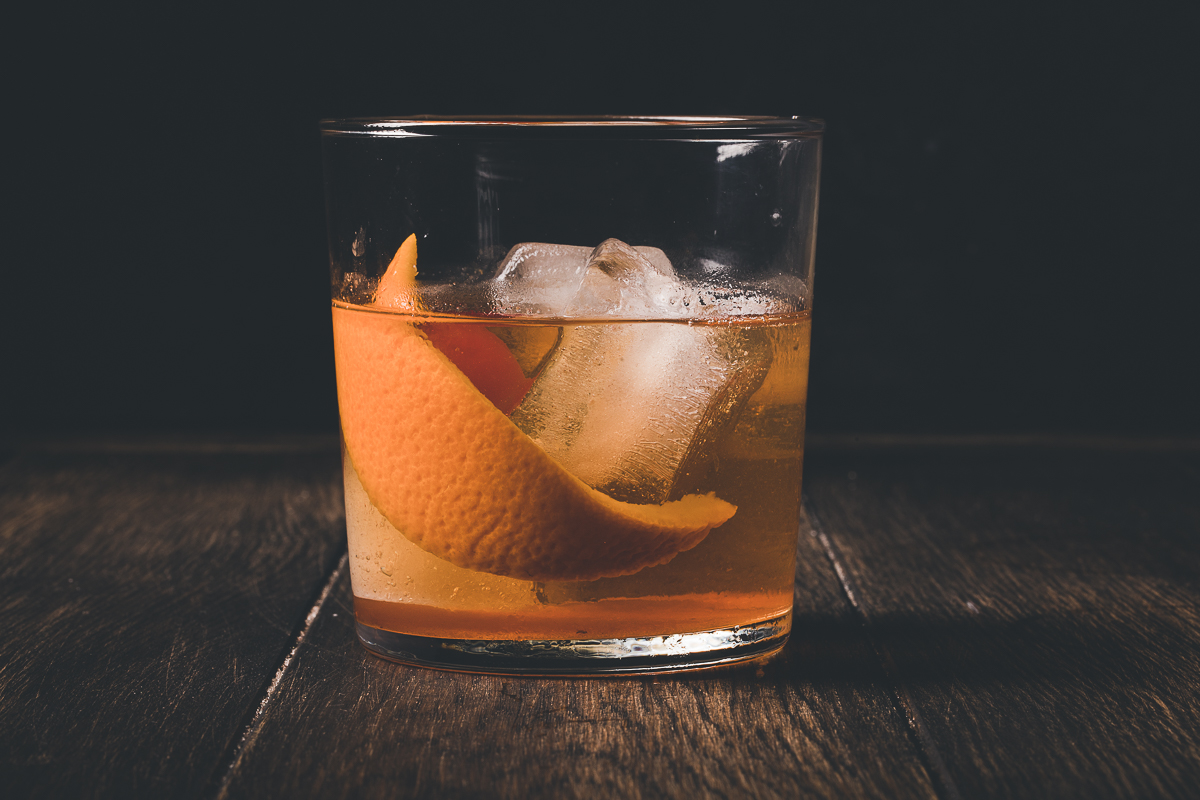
<point x="539" y="278"/>
<point x="623" y="281"/>
<point x="632" y="408"/>
<point x="552" y="279"/>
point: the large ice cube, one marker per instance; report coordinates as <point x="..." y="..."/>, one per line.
<point x="539" y="278"/>
<point x="623" y="281"/>
<point x="632" y="408"/>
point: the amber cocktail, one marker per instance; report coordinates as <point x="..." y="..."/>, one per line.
<point x="572" y="458"/>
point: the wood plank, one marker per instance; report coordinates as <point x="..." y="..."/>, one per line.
<point x="815" y="721"/>
<point x="1040" y="609"/>
<point x="147" y="597"/>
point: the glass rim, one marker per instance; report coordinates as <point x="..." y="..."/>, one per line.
<point x="577" y="126"/>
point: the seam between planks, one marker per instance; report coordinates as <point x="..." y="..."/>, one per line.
<point x="934" y="763"/>
<point x="250" y="735"/>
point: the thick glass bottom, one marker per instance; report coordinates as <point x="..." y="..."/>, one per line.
<point x="642" y="654"/>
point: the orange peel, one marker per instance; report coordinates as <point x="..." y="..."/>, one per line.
<point x="455" y="476"/>
<point x="395" y="288"/>
<point x="479" y="353"/>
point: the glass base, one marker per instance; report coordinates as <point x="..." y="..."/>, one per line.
<point x="642" y="654"/>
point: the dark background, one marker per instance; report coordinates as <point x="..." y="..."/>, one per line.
<point x="1008" y="216"/>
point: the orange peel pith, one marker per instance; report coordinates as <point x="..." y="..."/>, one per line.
<point x="452" y="473"/>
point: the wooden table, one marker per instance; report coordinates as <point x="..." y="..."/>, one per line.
<point x="975" y="618"/>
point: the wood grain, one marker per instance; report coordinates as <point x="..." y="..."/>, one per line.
<point x="147" y="597"/>
<point x="814" y="722"/>
<point x="1039" y="610"/>
<point x="972" y="621"/>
